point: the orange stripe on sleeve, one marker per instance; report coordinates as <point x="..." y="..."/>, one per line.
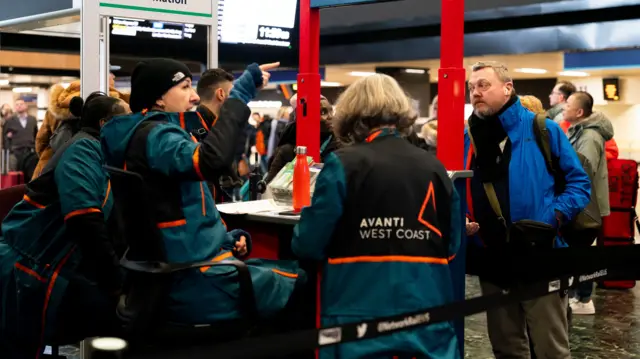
<point x="30" y="272"/>
<point x="382" y="259"/>
<point x="171" y="224"/>
<point x="217" y="259"/>
<point x="182" y="125"/>
<point x="285" y="274"/>
<point x="32" y="202"/>
<point x="80" y="212"/>
<point x="106" y="197"/>
<point x="196" y="162"/>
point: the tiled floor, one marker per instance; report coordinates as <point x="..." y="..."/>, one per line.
<point x="612" y="333"/>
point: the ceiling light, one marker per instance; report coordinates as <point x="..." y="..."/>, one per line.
<point x="330" y="84"/>
<point x="4" y="82"/>
<point x="361" y="74"/>
<point x="527" y="70"/>
<point x="22" y="89"/>
<point x="415" y="71"/>
<point x="573" y="73"/>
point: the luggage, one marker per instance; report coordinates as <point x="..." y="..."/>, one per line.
<point x="8" y="179"/>
<point x="619" y="227"/>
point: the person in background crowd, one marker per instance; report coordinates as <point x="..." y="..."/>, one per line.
<point x="20" y="134"/>
<point x="6" y="112"/>
<point x="500" y="156"/>
<point x="611" y="147"/>
<point x="263" y="134"/>
<point x="430" y="135"/>
<point x="285" y="152"/>
<point x="56" y="253"/>
<point x="277" y="127"/>
<point x="358" y="185"/>
<point x="214" y="88"/>
<point x="558" y="98"/>
<point x="59" y="112"/>
<point x="532" y="104"/>
<point x="587" y="134"/>
<point x="155" y="142"/>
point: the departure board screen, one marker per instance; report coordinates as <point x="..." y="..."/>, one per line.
<point x="251" y="22"/>
<point x="257" y="22"/>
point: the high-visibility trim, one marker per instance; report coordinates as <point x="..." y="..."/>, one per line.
<point x="80" y="212"/>
<point x="52" y="282"/>
<point x="383" y="259"/>
<point x="196" y="162"/>
<point x="32" y="202"/>
<point x="203" y="122"/>
<point x="106" y="197"/>
<point x="182" y="123"/>
<point x="219" y="258"/>
<point x="285" y="274"/>
<point x="171" y="224"/>
<point x="30" y="272"/>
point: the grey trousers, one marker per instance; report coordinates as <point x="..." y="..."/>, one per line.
<point x="546" y="318"/>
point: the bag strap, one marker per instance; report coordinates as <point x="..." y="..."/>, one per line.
<point x="543" y="140"/>
<point x="490" y="190"/>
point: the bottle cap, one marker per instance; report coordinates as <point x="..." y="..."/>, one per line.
<point x="301" y="150"/>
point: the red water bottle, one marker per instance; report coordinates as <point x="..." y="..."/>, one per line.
<point x="301" y="180"/>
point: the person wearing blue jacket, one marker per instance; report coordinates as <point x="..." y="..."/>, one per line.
<point x="505" y="153"/>
<point x="385" y="221"/>
<point x="59" y="266"/>
<point x="158" y="141"/>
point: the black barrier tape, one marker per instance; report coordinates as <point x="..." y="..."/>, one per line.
<point x="289" y="343"/>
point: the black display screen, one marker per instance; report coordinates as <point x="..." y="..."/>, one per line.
<point x="270" y="34"/>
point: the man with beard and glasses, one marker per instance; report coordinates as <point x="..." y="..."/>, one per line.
<point x="501" y="149"/>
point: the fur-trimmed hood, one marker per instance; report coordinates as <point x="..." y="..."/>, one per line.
<point x="60" y="97"/>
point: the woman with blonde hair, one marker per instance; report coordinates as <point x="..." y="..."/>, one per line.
<point x="374" y="225"/>
<point x="532" y="104"/>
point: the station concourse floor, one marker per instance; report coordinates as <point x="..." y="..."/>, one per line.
<point x="612" y="333"/>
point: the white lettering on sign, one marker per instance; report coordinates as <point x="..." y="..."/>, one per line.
<point x="174" y="9"/>
<point x="404" y="323"/>
<point x="592" y="276"/>
<point x="390" y="228"/>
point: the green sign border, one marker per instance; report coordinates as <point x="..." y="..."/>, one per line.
<point x="149" y="9"/>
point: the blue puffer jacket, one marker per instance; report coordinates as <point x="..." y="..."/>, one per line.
<point x="531" y="186"/>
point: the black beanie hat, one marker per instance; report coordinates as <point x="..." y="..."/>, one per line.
<point x="153" y="78"/>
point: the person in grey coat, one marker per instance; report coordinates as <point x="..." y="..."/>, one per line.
<point x="558" y="99"/>
<point x="588" y="133"/>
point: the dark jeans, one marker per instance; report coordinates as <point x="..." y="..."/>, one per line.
<point x="584" y="291"/>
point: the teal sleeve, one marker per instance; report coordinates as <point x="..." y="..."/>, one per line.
<point x="457" y="223"/>
<point x="171" y="152"/>
<point x="80" y="179"/>
<point x="314" y="231"/>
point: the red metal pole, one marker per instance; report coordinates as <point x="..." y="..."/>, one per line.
<point x="308" y="108"/>
<point x="451" y="86"/>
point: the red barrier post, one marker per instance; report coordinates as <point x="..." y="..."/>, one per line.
<point x="451" y="86"/>
<point x="308" y="107"/>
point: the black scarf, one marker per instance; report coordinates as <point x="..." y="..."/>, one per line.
<point x="488" y="133"/>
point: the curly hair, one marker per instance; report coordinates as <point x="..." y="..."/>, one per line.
<point x="532" y="104"/>
<point x="369" y="103"/>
